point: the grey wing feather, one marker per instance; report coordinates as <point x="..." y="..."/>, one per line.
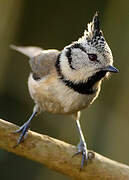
<point x="44" y="63"/>
<point x="29" y="51"/>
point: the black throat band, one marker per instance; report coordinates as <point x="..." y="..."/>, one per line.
<point x="81" y="87"/>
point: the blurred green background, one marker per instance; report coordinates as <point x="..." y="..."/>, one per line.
<point x="55" y="24"/>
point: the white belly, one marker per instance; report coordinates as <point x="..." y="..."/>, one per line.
<point x="53" y="96"/>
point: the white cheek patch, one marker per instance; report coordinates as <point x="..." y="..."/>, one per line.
<point x="80" y="59"/>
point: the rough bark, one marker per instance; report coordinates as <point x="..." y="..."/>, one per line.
<point x="57" y="155"/>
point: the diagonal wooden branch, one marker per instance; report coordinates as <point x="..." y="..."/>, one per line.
<point x="57" y="155"/>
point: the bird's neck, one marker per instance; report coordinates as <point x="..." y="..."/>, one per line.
<point x="89" y="86"/>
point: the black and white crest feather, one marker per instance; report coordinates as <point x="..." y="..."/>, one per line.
<point x="93" y="35"/>
<point x="93" y="29"/>
<point x="95" y="26"/>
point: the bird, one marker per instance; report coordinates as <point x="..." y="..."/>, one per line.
<point x="68" y="81"/>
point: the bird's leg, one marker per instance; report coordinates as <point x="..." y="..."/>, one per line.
<point x="82" y="146"/>
<point x="25" y="127"/>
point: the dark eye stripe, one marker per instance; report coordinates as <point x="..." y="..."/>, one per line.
<point x="68" y="53"/>
<point x="79" y="46"/>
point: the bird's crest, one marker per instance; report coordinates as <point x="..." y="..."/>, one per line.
<point x="93" y="34"/>
<point x="93" y="28"/>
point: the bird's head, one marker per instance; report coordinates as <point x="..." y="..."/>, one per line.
<point x="89" y="58"/>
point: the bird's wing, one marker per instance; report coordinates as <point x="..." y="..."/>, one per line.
<point x="29" y="51"/>
<point x="42" y="62"/>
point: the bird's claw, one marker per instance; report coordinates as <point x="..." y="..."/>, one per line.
<point x="82" y="150"/>
<point x="24" y="131"/>
<point x="24" y="128"/>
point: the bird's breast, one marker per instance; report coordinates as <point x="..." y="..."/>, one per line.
<point x="51" y="95"/>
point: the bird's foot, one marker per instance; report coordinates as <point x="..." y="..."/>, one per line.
<point x="24" y="131"/>
<point x="25" y="127"/>
<point x="81" y="149"/>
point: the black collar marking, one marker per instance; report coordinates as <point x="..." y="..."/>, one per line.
<point x="82" y="87"/>
<point x="85" y="87"/>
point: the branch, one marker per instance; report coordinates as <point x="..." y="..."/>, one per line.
<point x="57" y="155"/>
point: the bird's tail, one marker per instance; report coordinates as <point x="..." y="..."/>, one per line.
<point x="29" y="51"/>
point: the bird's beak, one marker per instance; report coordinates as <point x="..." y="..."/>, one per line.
<point x="110" y="69"/>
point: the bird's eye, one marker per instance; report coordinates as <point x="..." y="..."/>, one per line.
<point x="92" y="57"/>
